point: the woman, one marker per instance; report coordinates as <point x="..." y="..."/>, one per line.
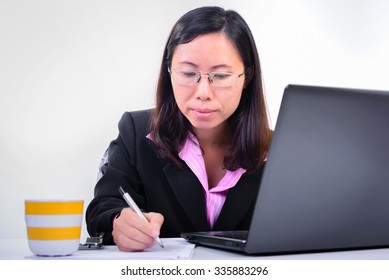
<point x="195" y="161"/>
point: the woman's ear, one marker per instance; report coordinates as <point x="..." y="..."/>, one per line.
<point x="249" y="73"/>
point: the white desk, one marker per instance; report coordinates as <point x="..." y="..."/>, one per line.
<point x="202" y="253"/>
<point x="17" y="249"/>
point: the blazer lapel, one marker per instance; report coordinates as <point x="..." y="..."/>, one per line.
<point x="238" y="203"/>
<point x="189" y="193"/>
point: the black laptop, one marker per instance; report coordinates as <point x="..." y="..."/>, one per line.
<point x="325" y="186"/>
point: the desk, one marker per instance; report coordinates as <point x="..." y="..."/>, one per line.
<point x="17" y="249"/>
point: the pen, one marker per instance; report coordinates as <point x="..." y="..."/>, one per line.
<point x="135" y="207"/>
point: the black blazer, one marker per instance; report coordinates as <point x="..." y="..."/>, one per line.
<point x="156" y="185"/>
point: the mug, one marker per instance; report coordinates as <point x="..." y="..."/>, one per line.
<point x="53" y="226"/>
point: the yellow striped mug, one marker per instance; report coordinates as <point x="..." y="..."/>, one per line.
<point x="53" y="226"/>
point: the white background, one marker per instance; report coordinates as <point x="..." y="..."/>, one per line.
<point x="69" y="69"/>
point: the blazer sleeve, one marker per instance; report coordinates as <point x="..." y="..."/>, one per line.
<point x="119" y="169"/>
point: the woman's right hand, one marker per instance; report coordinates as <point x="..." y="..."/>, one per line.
<point x="131" y="233"/>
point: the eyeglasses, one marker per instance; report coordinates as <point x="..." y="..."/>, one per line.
<point x="191" y="78"/>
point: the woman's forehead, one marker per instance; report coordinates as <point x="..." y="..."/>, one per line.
<point x="213" y="49"/>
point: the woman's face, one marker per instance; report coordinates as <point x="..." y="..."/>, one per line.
<point x="204" y="104"/>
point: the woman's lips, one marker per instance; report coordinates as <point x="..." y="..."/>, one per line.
<point x="203" y="112"/>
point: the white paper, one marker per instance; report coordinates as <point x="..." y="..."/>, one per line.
<point x="174" y="249"/>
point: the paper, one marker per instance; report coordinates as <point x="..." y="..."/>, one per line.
<point x="175" y="249"/>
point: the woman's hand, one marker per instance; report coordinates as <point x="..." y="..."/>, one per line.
<point x="131" y="233"/>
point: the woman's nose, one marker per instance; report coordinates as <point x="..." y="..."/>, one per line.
<point x="204" y="89"/>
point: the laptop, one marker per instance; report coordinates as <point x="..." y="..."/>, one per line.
<point x="325" y="185"/>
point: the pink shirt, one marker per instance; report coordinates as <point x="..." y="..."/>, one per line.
<point x="215" y="197"/>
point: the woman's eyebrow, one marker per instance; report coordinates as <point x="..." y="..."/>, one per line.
<point x="221" y="66"/>
<point x="214" y="67"/>
<point x="187" y="63"/>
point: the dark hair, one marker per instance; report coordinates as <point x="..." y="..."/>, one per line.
<point x="249" y="123"/>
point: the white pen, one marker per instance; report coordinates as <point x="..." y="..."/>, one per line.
<point x="135" y="207"/>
